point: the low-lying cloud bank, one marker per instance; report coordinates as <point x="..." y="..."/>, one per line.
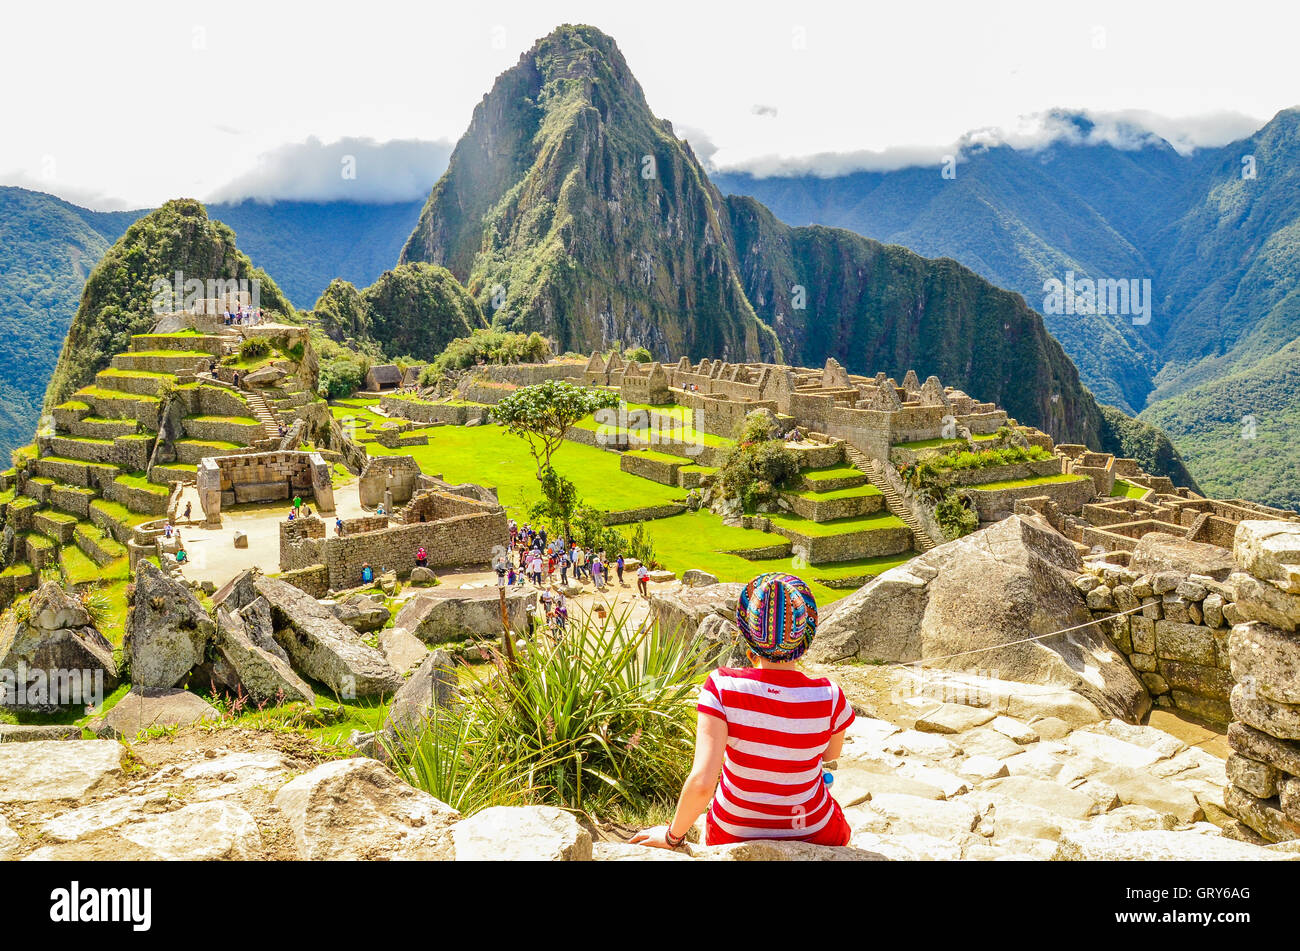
<point x="1127" y="129"/>
<point x="351" y="169"/>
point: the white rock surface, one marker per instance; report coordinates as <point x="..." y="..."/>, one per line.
<point x="57" y="769"/>
<point x="521" y="834"/>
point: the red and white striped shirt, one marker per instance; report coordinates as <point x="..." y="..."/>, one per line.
<point x="779" y="723"/>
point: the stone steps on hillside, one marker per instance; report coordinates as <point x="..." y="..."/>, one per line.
<point x="262" y="413"/>
<point x="896" y="503"/>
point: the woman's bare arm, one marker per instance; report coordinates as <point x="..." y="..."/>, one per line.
<point x="710" y="744"/>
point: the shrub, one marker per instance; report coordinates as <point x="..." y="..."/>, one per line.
<point x="341" y="371"/>
<point x="955" y="515"/>
<point x="603" y="720"/>
<point x="487" y="346"/>
<point x="754" y="471"/>
<point x="254" y="348"/>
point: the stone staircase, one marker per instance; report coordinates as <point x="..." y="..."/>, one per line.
<point x="871" y="468"/>
<point x="262" y="413"/>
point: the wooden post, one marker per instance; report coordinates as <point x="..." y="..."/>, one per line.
<point x="505" y="628"/>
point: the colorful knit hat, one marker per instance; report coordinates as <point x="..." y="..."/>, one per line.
<point x="778" y="616"/>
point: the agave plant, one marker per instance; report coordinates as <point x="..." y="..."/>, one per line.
<point x="603" y="719"/>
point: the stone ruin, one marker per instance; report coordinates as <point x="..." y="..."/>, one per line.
<point x="262" y="477"/>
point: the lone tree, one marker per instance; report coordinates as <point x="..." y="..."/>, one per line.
<point x="542" y="415"/>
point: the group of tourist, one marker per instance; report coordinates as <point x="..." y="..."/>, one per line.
<point x="244" y="316"/>
<point x="298" y="510"/>
<point x="535" y="558"/>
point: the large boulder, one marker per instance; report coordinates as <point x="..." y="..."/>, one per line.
<point x="167" y="630"/>
<point x="453" y="614"/>
<point x="971" y="605"/>
<point x="433" y="685"/>
<point x="60" y="657"/>
<point x="264" y="676"/>
<point x="357" y="809"/>
<point x="1269" y="550"/>
<point x="362" y="612"/>
<point x="58" y="770"/>
<point x="521" y="834"/>
<point x="146" y="708"/>
<point x="682" y="607"/>
<point x="322" y="647"/>
<point x="1160" y="551"/>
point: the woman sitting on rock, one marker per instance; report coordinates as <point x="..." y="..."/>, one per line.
<point x="767" y="729"/>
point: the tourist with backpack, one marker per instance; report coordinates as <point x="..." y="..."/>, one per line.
<point x="642" y="580"/>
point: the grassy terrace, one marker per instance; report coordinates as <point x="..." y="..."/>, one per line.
<point x="856" y="492"/>
<point x="242" y="420"/>
<point x="1019" y="483"/>
<point x="832" y="473"/>
<point x="929" y="443"/>
<point x="839" y="526"/>
<point x="491" y="456"/>
<point x="120" y="513"/>
<point x="111" y="372"/>
<point x="138" y="480"/>
<point x="211" y="443"/>
<point x="1123" y="489"/>
<point x="192" y="354"/>
<point x="98" y="392"/>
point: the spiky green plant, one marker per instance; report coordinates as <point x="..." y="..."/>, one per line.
<point x="604" y="719"/>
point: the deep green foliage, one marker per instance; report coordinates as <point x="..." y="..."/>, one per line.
<point x="605" y="719"/>
<point x="756" y="469"/>
<point x="487" y="346"/>
<point x="119" y="297"/>
<point x="543" y="413"/>
<point x="342" y="371"/>
<point x="955" y="515"/>
<point x="254" y="348"/>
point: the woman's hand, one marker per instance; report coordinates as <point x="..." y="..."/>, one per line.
<point x="656" y="838"/>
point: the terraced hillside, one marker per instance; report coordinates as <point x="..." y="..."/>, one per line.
<point x="93" y="494"/>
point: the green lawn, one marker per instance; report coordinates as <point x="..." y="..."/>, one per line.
<point x="854" y="492"/>
<point x="1124" y="489"/>
<point x="832" y="472"/>
<point x="929" y="443"/>
<point x="490" y="456"/>
<point x="839" y="526"/>
<point x="1018" y="483"/>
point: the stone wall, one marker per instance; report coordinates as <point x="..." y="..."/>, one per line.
<point x="530" y="374"/>
<point x="1264" y="656"/>
<point x="996" y="504"/>
<point x="427" y="411"/>
<point x="313" y="579"/>
<point x="1177" y="637"/>
<point x="398" y="474"/>
<point x="263" y="477"/>
<point x="460" y="540"/>
<point x="222" y="430"/>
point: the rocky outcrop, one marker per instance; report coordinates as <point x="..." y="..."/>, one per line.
<point x="526" y="834"/>
<point x="681" y="608"/>
<point x="361" y="612"/>
<point x="59" y="655"/>
<point x="442" y="615"/>
<point x="264" y="676"/>
<point x="357" y="809"/>
<point x="167" y="630"/>
<point x="322" y="647"/>
<point x="974" y="603"/>
<point x="1159" y="551"/>
<point x="433" y="685"/>
<point x="145" y="708"/>
<point x="55" y="770"/>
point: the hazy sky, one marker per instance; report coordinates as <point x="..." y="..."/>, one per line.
<point x="127" y="104"/>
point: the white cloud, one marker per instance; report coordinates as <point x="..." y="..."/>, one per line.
<point x="90" y="198"/>
<point x="1128" y="129"/>
<point x="351" y="169"/>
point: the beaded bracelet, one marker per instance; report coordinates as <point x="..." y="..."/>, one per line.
<point x="669" y="837"/>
